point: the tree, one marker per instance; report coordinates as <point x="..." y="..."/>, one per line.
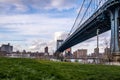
<point x="107" y="53"/>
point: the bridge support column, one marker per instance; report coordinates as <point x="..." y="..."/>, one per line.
<point x="115" y="34"/>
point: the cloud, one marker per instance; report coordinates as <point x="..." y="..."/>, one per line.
<point x="60" y="35"/>
<point x="63" y="4"/>
<point x="34" y="24"/>
<point x="23" y="6"/>
<point x="37" y="45"/>
<point x="51" y="4"/>
<point x="11" y="6"/>
<point x="33" y="27"/>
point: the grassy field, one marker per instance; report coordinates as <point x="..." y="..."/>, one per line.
<point x="30" y="69"/>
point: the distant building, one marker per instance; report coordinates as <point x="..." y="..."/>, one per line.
<point x="68" y="53"/>
<point x="107" y="53"/>
<point x="46" y="49"/>
<point x="93" y="55"/>
<point x="96" y="52"/>
<point x="24" y="52"/>
<point x="80" y="53"/>
<point x="7" y="48"/>
<point x="59" y="42"/>
<point x="37" y="55"/>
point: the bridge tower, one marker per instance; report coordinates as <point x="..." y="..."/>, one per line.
<point x="115" y="32"/>
<point x="59" y="42"/>
<point x="59" y="55"/>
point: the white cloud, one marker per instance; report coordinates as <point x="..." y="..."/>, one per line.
<point x="8" y="6"/>
<point x="60" y="35"/>
<point x="52" y="4"/>
<point x="25" y="5"/>
<point x="32" y="28"/>
<point x="37" y="45"/>
<point x="35" y="24"/>
<point x="63" y="4"/>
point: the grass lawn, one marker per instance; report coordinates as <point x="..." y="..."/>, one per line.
<point x="31" y="69"/>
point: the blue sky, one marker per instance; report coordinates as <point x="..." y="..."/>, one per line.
<point x="34" y="24"/>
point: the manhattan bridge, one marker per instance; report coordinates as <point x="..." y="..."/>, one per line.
<point x="93" y="15"/>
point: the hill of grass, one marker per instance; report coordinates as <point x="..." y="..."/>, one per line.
<point x="31" y="69"/>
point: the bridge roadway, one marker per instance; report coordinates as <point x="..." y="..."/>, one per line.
<point x="100" y="19"/>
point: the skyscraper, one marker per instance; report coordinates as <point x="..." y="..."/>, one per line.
<point x="46" y="49"/>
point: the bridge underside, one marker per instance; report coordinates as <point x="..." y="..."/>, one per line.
<point x="88" y="32"/>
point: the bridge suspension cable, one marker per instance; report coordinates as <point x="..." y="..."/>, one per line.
<point x="100" y="1"/>
<point x="85" y="13"/>
<point x="77" y="17"/>
<point x="88" y="9"/>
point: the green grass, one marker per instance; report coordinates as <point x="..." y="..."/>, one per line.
<point x="31" y="69"/>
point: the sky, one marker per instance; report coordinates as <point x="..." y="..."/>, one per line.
<point x="35" y="24"/>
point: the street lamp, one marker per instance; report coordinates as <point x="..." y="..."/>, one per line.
<point x="98" y="46"/>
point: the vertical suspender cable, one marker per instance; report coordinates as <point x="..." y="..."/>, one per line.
<point x="77" y="17"/>
<point x="98" y="4"/>
<point x="85" y="13"/>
